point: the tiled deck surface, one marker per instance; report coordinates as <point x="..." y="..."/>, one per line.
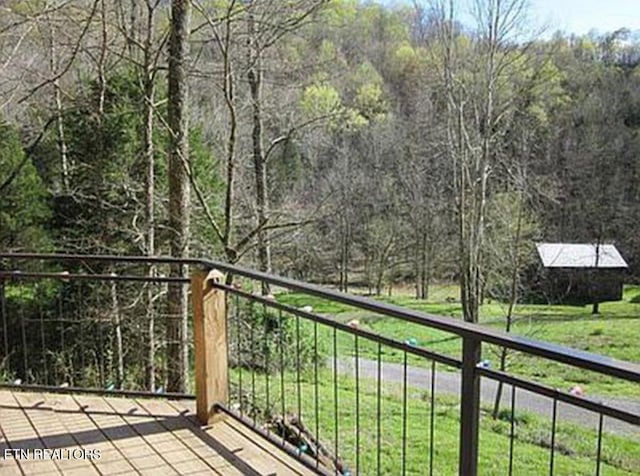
<point x="133" y="436"/>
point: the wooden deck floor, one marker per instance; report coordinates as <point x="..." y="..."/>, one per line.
<point x="133" y="436"/>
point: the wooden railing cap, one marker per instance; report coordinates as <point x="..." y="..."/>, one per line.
<point x="213" y="277"/>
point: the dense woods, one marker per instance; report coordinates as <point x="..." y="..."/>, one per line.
<point x="336" y="141"/>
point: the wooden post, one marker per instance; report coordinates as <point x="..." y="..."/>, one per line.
<point x="210" y="335"/>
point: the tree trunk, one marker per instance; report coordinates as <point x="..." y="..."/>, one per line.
<point x="513" y="299"/>
<point x="62" y="143"/>
<point x="177" y="326"/>
<point x="149" y="97"/>
<point x="229" y="96"/>
<point x="344" y="254"/>
<point x="593" y="282"/>
<point x="254" y="78"/>
<point x="379" y="279"/>
<point x="102" y="60"/>
<point x="471" y="130"/>
<point x="425" y="266"/>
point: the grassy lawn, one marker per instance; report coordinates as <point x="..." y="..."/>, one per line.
<point x="575" y="447"/>
<point x="614" y="332"/>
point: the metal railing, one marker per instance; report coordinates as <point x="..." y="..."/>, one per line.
<point x="466" y="365"/>
<point x="341" y="398"/>
<point x="96" y="324"/>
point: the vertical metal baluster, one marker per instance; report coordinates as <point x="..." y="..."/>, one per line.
<point x="108" y="346"/>
<point x="119" y="329"/>
<point x="43" y="344"/>
<point x="142" y="316"/>
<point x="100" y="353"/>
<point x="150" y="331"/>
<point x="335" y="392"/>
<point x="5" y="327"/>
<point x="554" y="417"/>
<point x="25" y="360"/>
<point x="315" y="384"/>
<point x="79" y="331"/>
<point x="357" y="404"/>
<point x="228" y="341"/>
<point x="298" y="381"/>
<point x="404" y="414"/>
<point x="267" y="365"/>
<point x="469" y="406"/>
<point x="379" y="409"/>
<point x="239" y="357"/>
<point x="165" y="342"/>
<point x="432" y="414"/>
<point x="599" y="451"/>
<point x="513" y="427"/>
<point x="252" y="411"/>
<point x="281" y="345"/>
<point x="62" y="342"/>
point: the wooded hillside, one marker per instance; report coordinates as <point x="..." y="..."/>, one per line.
<point x="332" y="141"/>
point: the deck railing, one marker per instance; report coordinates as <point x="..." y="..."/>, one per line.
<point x="343" y="399"/>
<point x="98" y="323"/>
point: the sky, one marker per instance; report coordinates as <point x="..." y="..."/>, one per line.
<point x="578" y="16"/>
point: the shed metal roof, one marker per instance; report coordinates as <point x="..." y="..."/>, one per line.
<point x="579" y="255"/>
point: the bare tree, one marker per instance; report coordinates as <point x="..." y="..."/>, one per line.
<point x="179" y="196"/>
<point x="254" y="78"/>
<point x="475" y="113"/>
<point x="54" y="65"/>
<point x="144" y="48"/>
<point x="265" y="28"/>
<point x="242" y="33"/>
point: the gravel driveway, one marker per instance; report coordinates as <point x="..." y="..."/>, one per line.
<point x="449" y="383"/>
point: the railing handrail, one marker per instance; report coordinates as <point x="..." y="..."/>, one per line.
<point x="90" y="277"/>
<point x="496" y="375"/>
<point x="567" y="355"/>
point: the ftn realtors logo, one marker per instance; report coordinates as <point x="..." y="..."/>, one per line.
<point x="52" y="454"/>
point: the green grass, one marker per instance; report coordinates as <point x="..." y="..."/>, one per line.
<point x="614" y="333"/>
<point x="575" y="447"/>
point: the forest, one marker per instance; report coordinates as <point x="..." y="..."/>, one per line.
<point x="343" y="142"/>
<point x="415" y="151"/>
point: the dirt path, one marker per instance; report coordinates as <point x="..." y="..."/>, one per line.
<point x="449" y="383"/>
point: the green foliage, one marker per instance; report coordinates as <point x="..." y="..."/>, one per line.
<point x="24" y="208"/>
<point x="370" y="102"/>
<point x="340" y="13"/>
<point x="327" y="52"/>
<point x="103" y="210"/>
<point x="65" y="332"/>
<point x="537" y="86"/>
<point x="320" y="100"/>
<point x="107" y="171"/>
<point x="264" y="339"/>
<point x="406" y="59"/>
<point x="365" y="74"/>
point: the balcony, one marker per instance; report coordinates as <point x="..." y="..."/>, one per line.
<point x="274" y="385"/>
<point x="92" y="434"/>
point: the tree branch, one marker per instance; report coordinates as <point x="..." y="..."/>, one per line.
<point x="74" y="53"/>
<point x="194" y="186"/>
